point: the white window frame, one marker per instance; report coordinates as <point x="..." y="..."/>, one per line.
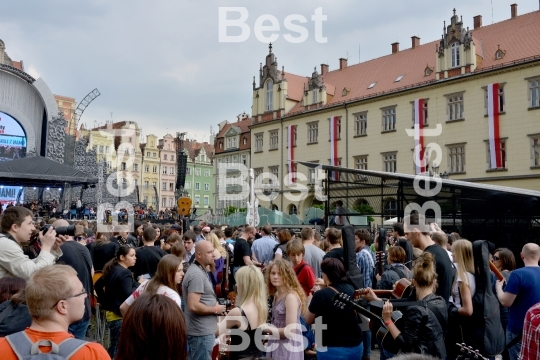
<point x="455" y="106"/>
<point x="338" y="127"/>
<point x="197" y="186"/>
<point x="269" y="87"/>
<point x="456" y="163"/>
<point x="360" y="124"/>
<point x="535" y="150"/>
<point x="313" y="132"/>
<point x="389" y="163"/>
<point x="164" y="170"/>
<point x="426" y="112"/>
<point x="504" y="154"/>
<point x="259" y="142"/>
<point x="197" y="172"/>
<point x="206" y="187"/>
<point x="533" y="90"/>
<point x="502" y="104"/>
<point x="187" y="185"/>
<point x="274" y="139"/>
<point x="455" y="53"/>
<point x="389" y="118"/>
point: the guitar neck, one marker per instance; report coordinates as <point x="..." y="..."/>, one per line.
<point x="363" y="311"/>
<point x="496" y="271"/>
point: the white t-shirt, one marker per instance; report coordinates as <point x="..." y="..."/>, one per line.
<point x="162" y="290"/>
<point x="455" y="298"/>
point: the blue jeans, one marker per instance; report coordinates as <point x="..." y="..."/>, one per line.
<point x="114" y="336"/>
<point x="366" y="335"/>
<point x="200" y="347"/>
<point x="79" y="328"/>
<point x="341" y="353"/>
<point x="513" y="352"/>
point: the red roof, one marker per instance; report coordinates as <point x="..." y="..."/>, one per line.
<point x="295" y="86"/>
<point x="194" y="148"/>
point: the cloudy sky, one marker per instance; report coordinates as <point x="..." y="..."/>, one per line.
<point x="162" y="64"/>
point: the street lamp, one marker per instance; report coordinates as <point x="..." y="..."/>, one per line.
<point x="270" y="191"/>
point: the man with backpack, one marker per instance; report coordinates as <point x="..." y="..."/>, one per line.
<point x="55" y="297"/>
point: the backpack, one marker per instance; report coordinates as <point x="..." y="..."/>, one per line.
<point x="25" y="349"/>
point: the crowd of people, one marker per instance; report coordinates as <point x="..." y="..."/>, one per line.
<point x="188" y="292"/>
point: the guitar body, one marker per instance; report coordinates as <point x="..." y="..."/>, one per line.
<point x="184" y="206"/>
<point x="403" y="289"/>
<point x="386" y="339"/>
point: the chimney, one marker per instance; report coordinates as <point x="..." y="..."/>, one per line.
<point x="342" y="63"/>
<point x="477" y="21"/>
<point x="415" y="41"/>
<point x="513" y="10"/>
<point x="324" y="69"/>
<point x="395" y="47"/>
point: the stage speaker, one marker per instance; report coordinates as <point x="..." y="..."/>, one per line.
<point x="181" y="173"/>
<point x="185" y="224"/>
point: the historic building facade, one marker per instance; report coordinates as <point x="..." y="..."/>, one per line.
<point x="371" y="105"/>
<point x="167" y="180"/>
<point x="199" y="183"/>
<point x="150" y="172"/>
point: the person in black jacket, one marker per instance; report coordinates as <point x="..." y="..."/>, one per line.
<point x="113" y="288"/>
<point x="423" y="325"/>
<point x="14" y="314"/>
<point x="148" y="256"/>
<point x="395" y="270"/>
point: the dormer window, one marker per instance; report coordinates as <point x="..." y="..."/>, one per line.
<point x="499" y="55"/>
<point x="372" y="85"/>
<point x="314" y="96"/>
<point x="220" y="145"/>
<point x="344" y="93"/>
<point x="455" y="55"/>
<point x="245" y="140"/>
<point x="269" y="95"/>
<point x="427" y="72"/>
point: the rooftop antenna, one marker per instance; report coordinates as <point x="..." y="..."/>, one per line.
<point x="492" y="12"/>
<point x="359" y="53"/>
<point x="111" y="116"/>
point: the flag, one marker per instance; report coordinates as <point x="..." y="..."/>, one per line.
<point x="291" y="129"/>
<point x="419" y="136"/>
<point x="334" y="130"/>
<point x="495" y="160"/>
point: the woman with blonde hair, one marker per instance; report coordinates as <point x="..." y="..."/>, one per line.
<point x="220" y="255"/>
<point x="250" y="312"/>
<point x="289" y="303"/>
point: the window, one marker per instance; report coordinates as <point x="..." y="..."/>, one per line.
<point x="135" y="167"/>
<point x="274" y="137"/>
<point x="154" y="169"/>
<point x="274" y="170"/>
<point x="171" y="170"/>
<point x="205" y="200"/>
<point x="454" y="107"/>
<point x="148" y="154"/>
<point x="109" y="165"/>
<point x="425" y="112"/>
<point x="456" y="158"/>
<point x="100" y="148"/>
<point x="338" y="129"/>
<point x="313" y="132"/>
<point x="171" y="202"/>
<point x="172" y="157"/>
<point x="292" y="209"/>
<point x="188" y="171"/>
<point x="135" y="182"/>
<point x="389" y="118"/>
<point x="164" y="170"/>
<point x="207" y="173"/>
<point x="171" y="186"/>
<point x="258" y="142"/>
<point x="197" y="199"/>
<point x="164" y="202"/>
<point x="106" y="149"/>
<point x="145" y="200"/>
<point x="360" y="124"/>
<point x="197" y="172"/>
<point x="244" y="159"/>
<point x="535" y="150"/>
<point x="154" y="184"/>
<point x="360" y="162"/>
<point x="534" y="92"/>
<point x="146" y="185"/>
<point x="257" y="172"/>
<point x="269" y="95"/>
<point x="245" y="140"/>
<point x="153" y="155"/>
<point x="294" y="136"/>
<point x="314" y="100"/>
<point x="164" y="187"/>
<point x="235" y="159"/>
<point x="154" y="200"/>
<point x="188" y="185"/>
<point x="455" y="54"/>
<point x="197" y="186"/>
<point x="501" y="100"/>
<point x="390" y="162"/>
<point x="123" y="166"/>
<point x="503" y="154"/>
<point x="165" y="157"/>
<point x="390" y="208"/>
<point x="206" y="187"/>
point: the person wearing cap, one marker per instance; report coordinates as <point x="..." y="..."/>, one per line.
<point x="175" y="228"/>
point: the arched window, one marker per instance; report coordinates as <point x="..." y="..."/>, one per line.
<point x="269" y="95"/>
<point x="245" y="140"/>
<point x="455" y="55"/>
<point x="293" y="210"/>
<point x="390" y="208"/>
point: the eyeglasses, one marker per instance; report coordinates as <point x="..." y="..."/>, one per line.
<point x="83" y="292"/>
<point x="495" y="258"/>
<point x="206" y="232"/>
<point x="79" y="238"/>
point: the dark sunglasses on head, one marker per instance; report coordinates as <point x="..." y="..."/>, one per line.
<point x="495" y="258"/>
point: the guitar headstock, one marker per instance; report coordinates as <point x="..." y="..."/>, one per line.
<point x="469" y="353"/>
<point x="341" y="300"/>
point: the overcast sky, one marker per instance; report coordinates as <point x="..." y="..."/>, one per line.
<point x="162" y="64"/>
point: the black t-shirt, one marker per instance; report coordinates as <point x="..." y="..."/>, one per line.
<point x="148" y="258"/>
<point x="241" y="248"/>
<point x="342" y="329"/>
<point x="78" y="257"/>
<point x="101" y="253"/>
<point x="445" y="271"/>
<point x="336" y="253"/>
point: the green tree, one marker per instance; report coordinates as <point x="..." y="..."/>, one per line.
<point x="365" y="209"/>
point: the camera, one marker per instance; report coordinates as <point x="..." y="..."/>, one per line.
<point x="226" y="302"/>
<point x="61" y="230"/>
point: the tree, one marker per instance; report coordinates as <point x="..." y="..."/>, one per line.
<point x="365" y="209"/>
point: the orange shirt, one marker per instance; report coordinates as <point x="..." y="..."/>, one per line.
<point x="91" y="351"/>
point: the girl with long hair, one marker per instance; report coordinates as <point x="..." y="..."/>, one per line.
<point x="169" y="273"/>
<point x="154" y="328"/>
<point x="289" y="303"/>
<point x="113" y="288"/>
<point x="280" y="251"/>
<point x="220" y="256"/>
<point x="464" y="285"/>
<point x="424" y="325"/>
<point x="102" y="250"/>
<point x="251" y="311"/>
<point x="505" y="261"/>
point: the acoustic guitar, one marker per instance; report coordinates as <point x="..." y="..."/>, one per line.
<point x="469" y="353"/>
<point x="403" y="289"/>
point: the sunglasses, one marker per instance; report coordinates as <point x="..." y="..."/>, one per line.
<point x="206" y="232"/>
<point x="495" y="258"/>
<point x="83" y="292"/>
<point x="79" y="238"/>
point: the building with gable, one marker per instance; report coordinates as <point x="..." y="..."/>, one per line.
<point x="167" y="177"/>
<point x="199" y="183"/>
<point x="150" y="172"/>
<point x="372" y="104"/>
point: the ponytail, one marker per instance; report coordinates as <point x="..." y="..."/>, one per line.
<point x="123" y="250"/>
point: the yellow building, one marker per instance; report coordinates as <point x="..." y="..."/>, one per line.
<point x="374" y="105"/>
<point x="150" y="172"/>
